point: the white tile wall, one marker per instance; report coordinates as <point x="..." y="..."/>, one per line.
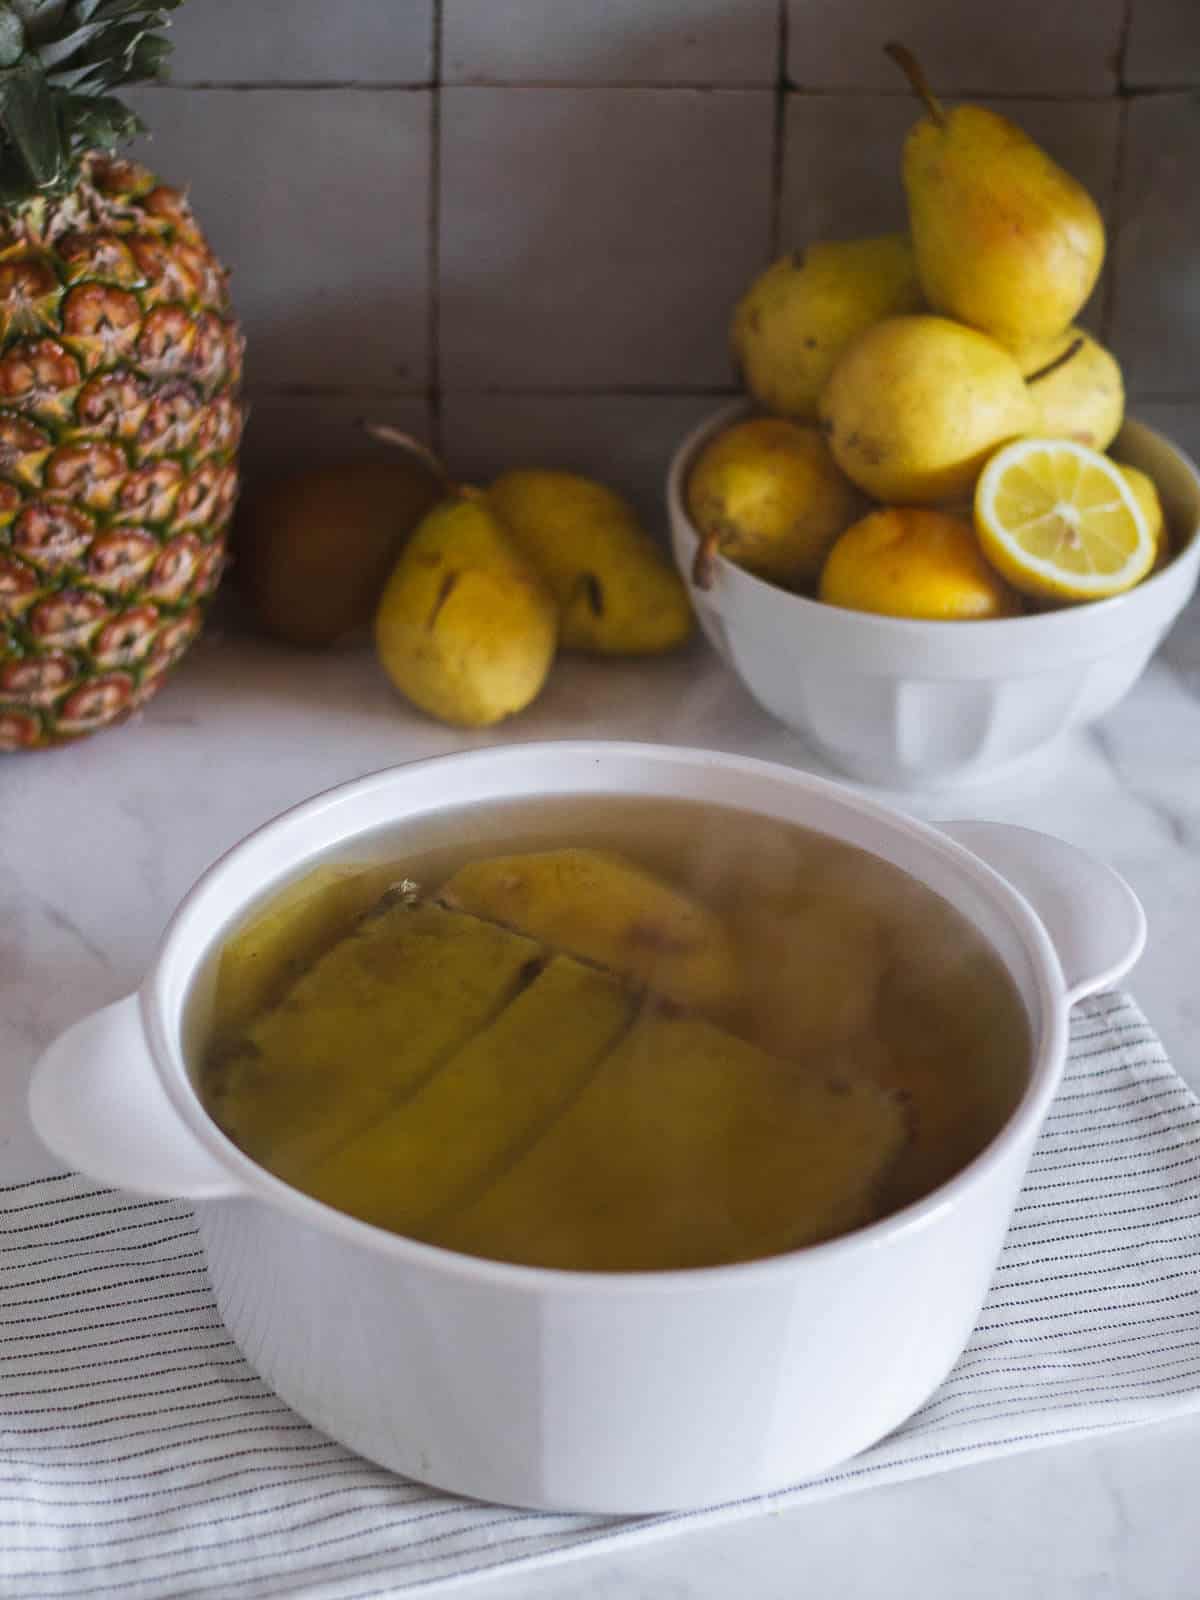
<point x="622" y="439"/>
<point x="1018" y="47"/>
<point x="303" y="41"/>
<point x="319" y="201"/>
<point x="1164" y="44"/>
<point x="842" y="162"/>
<point x="289" y="432"/>
<point x="841" y="169"/>
<point x="1157" y="301"/>
<point x="597" y="238"/>
<point x="1178" y="419"/>
<point x="591" y="236"/>
<point x="618" y="41"/>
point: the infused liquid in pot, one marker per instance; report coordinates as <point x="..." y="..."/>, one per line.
<point x="612" y="1033"/>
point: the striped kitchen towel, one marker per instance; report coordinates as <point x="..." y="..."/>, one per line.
<point x="141" y="1457"/>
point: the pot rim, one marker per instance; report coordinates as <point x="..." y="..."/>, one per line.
<point x="202" y="909"/>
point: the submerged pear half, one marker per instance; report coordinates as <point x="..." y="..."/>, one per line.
<point x="603" y="908"/>
<point x="494" y="1095"/>
<point x="361" y="1029"/>
<point x="687" y="1147"/>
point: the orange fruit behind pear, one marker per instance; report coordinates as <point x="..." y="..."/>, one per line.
<point x="314" y="550"/>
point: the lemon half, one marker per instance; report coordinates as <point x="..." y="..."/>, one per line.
<point x="1062" y="521"/>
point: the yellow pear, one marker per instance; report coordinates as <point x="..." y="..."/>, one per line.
<point x="1077" y="389"/>
<point x="797" y="317"/>
<point x="617" y="593"/>
<point x="767" y="494"/>
<point x="465" y="628"/>
<point x="1005" y="239"/>
<point x="915" y="406"/>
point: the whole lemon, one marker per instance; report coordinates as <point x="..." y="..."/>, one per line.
<point x="912" y="561"/>
<point x="768" y="495"/>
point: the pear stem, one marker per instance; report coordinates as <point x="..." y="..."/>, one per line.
<point x="1073" y="349"/>
<point x="915" y="73"/>
<point x="386" y="433"/>
<point x="703" y="567"/>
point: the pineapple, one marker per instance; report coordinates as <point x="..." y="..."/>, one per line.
<point x="120" y="373"/>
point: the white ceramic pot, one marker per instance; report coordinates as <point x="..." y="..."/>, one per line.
<point x="590" y="1392"/>
<point x="928" y="704"/>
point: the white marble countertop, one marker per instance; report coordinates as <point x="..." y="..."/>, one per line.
<point x="99" y="840"/>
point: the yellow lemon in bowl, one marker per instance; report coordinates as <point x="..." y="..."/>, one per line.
<point x="1146" y="494"/>
<point x="1062" y="521"/>
<point x="915" y="561"/>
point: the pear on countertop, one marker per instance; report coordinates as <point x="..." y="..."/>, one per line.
<point x="616" y="592"/>
<point x="466" y="629"/>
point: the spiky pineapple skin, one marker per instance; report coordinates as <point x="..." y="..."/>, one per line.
<point x="120" y="420"/>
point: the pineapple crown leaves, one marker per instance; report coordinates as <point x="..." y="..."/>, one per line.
<point x="59" y="62"/>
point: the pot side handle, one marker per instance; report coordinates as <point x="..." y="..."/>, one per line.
<point x="97" y="1103"/>
<point x="1094" y="919"/>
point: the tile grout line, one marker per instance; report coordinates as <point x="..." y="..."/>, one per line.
<point x="1122" y="56"/>
<point x="1109" y="308"/>
<point x="647" y="391"/>
<point x="284" y="85"/>
<point x="1141" y="91"/>
<point x="510" y="390"/>
<point x="778" y="133"/>
<point x="433" y="354"/>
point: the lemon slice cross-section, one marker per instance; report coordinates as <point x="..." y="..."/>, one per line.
<point x="1061" y="521"/>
